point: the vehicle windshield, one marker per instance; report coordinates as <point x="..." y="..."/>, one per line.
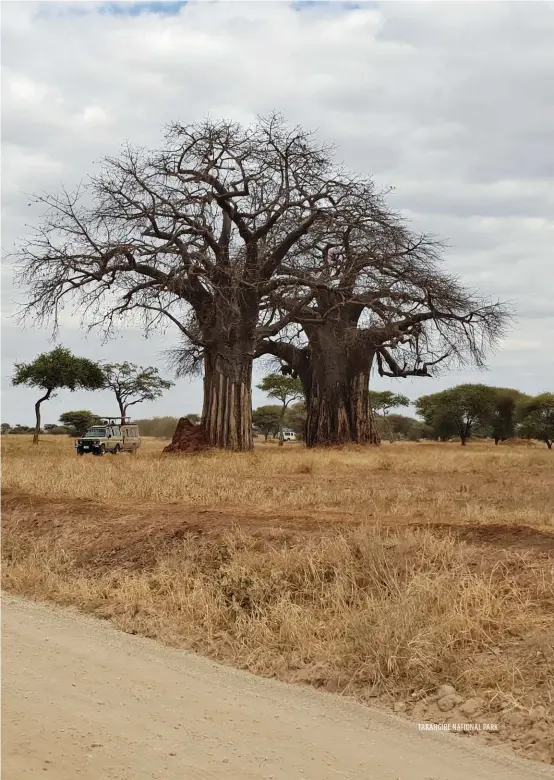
<point x="95" y="432"/>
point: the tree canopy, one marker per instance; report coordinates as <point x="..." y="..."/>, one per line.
<point x="79" y="421"/>
<point x="536" y="417"/>
<point x="458" y="410"/>
<point x="57" y="370"/>
<point x="134" y="384"/>
<point x="267" y="420"/>
<point x="503" y="418"/>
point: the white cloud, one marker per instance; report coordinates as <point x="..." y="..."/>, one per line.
<point x="453" y="104"/>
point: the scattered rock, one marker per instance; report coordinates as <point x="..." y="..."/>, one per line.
<point x="400" y="706"/>
<point x="471" y="706"/>
<point x="448" y="702"/>
<point x="445" y="690"/>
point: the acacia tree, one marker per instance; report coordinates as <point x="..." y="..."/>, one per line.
<point x="79" y="422"/>
<point x="266" y="419"/>
<point x="57" y="370"/>
<point x="380" y="301"/>
<point x="383" y="401"/>
<point x="285" y="389"/>
<point x="134" y="384"/>
<point x="193" y="235"/>
<point x="504" y="413"/>
<point x="536" y="417"/>
<point x="458" y="409"/>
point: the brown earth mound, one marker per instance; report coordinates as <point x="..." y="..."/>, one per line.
<point x="188" y="438"/>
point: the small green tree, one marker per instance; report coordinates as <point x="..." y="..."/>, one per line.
<point x="458" y="410"/>
<point x="79" y="422"/>
<point x="57" y="370"/>
<point x="266" y="419"/>
<point x="504" y="413"/>
<point x="285" y="389"/>
<point x="193" y="418"/>
<point x="383" y="401"/>
<point x="536" y="418"/>
<point x="134" y="384"/>
<point x="6" y="427"/>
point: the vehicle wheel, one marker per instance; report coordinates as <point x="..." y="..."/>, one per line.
<point x="102" y="450"/>
<point x="116" y="450"/>
<point x="80" y="453"/>
<point x="133" y="450"/>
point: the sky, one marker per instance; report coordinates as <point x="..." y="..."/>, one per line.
<point x="451" y="104"/>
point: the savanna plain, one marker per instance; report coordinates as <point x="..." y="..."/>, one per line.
<point x="418" y="577"/>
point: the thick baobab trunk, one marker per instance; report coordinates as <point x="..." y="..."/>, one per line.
<point x="338" y="412"/>
<point x="227" y="412"/>
<point x="337" y="388"/>
<point x="37" y="415"/>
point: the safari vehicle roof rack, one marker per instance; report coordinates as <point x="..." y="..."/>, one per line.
<point x="114" y="419"/>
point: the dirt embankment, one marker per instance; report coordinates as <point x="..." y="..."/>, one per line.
<point x="389" y="614"/>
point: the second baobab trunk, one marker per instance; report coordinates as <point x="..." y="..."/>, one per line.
<point x="338" y="412"/>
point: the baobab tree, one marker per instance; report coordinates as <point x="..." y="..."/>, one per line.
<point x="195" y="235"/>
<point x="379" y="301"/>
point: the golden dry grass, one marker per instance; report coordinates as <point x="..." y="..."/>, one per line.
<point x="425" y="482"/>
<point x="384" y="572"/>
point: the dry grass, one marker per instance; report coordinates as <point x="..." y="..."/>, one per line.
<point x="381" y="573"/>
<point x="425" y="482"/>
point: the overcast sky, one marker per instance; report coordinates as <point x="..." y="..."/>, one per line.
<point x="452" y="104"/>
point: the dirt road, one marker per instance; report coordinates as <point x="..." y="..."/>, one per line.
<point x="81" y="700"/>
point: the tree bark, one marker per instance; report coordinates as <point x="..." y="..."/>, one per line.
<point x="281" y="421"/>
<point x="227" y="411"/>
<point x="338" y="412"/>
<point x="37" y="415"/>
<point x="336" y="386"/>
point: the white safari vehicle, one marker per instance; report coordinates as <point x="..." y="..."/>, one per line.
<point x="109" y="436"/>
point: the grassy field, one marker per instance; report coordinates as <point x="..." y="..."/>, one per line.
<point x="383" y="574"/>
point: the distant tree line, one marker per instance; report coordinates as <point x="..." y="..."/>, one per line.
<point x="499" y="413"/>
<point x="466" y="411"/>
